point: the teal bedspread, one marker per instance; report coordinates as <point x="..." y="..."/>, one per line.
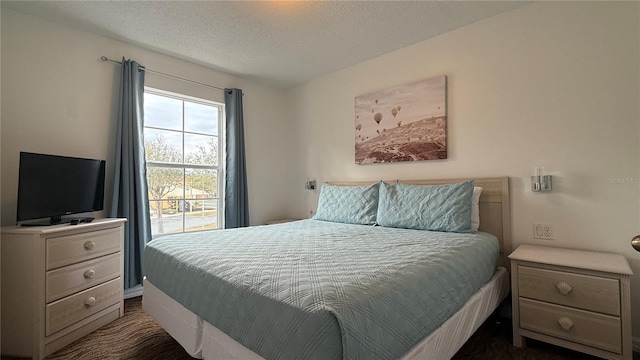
<point x="319" y="290"/>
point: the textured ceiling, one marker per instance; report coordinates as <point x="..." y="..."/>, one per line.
<point x="280" y="43"/>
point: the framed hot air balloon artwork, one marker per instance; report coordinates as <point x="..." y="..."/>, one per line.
<point x="403" y="123"/>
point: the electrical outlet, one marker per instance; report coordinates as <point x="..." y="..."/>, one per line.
<point x="543" y="231"/>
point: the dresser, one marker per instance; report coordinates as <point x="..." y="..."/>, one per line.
<point x="59" y="283"/>
<point x="572" y="298"/>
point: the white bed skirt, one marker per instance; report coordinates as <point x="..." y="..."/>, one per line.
<point x="204" y="341"/>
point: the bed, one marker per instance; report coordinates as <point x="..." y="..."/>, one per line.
<point x="332" y="290"/>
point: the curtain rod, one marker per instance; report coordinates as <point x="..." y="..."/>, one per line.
<point x="106" y="59"/>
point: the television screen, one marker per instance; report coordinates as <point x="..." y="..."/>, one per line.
<point x="50" y="186"/>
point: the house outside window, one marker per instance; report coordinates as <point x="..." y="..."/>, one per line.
<point x="183" y="138"/>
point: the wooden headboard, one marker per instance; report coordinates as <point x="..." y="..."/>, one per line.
<point x="495" y="211"/>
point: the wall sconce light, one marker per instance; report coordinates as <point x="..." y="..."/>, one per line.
<point x="310" y="185"/>
<point x="541" y="182"/>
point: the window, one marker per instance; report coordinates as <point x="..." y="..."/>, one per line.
<point x="184" y="173"/>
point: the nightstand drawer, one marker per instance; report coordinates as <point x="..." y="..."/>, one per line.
<point x="69" y="310"/>
<point x="71" y="249"/>
<point x="591" y="329"/>
<point x="576" y="290"/>
<point x="73" y="278"/>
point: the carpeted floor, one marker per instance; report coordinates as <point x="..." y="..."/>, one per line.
<point x="137" y="336"/>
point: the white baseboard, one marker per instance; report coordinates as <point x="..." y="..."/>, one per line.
<point x="636" y="344"/>
<point x="133" y="292"/>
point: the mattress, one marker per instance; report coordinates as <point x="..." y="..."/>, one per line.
<point x="313" y="289"/>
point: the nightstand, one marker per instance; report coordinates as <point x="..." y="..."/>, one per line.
<point x="577" y="299"/>
<point x="280" y="221"/>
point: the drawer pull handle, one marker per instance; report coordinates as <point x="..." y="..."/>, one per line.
<point x="564" y="288"/>
<point x="565" y="323"/>
<point x="90" y="301"/>
<point x="89" y="245"/>
<point x="89" y="274"/>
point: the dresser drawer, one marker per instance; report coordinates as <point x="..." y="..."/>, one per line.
<point x="71" y="249"/>
<point x="588" y="328"/>
<point x="576" y="290"/>
<point x="69" y="310"/>
<point x="73" y="278"/>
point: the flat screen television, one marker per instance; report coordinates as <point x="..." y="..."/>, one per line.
<point x="51" y="186"/>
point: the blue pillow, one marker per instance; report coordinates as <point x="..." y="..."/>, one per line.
<point x="348" y="204"/>
<point x="426" y="207"/>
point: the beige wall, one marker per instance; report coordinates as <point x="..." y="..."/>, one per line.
<point x="57" y="97"/>
<point x="553" y="84"/>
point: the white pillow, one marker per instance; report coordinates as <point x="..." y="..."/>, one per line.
<point x="475" y="208"/>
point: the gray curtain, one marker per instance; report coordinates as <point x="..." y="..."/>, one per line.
<point x="236" y="203"/>
<point x="130" y="196"/>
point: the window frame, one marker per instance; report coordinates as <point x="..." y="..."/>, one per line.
<point x="220" y="167"/>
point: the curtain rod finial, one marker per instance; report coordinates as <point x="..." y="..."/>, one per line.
<point x="103" y="58"/>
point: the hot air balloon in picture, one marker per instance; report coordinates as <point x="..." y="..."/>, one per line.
<point x="415" y="123"/>
<point x="377" y="118"/>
